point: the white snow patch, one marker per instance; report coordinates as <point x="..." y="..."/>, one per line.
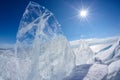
<point x="96" y="72"/>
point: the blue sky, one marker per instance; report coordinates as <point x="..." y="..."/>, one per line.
<point x="103" y="18"/>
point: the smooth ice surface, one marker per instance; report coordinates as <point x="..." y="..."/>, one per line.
<point x="42" y="47"/>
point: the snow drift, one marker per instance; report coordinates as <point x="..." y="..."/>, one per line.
<point x="106" y="60"/>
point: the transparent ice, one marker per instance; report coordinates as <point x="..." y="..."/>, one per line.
<point x="40" y="40"/>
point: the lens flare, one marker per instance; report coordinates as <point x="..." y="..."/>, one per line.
<point x="83" y="13"/>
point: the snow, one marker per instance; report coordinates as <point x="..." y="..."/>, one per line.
<point x="106" y="59"/>
<point x="1" y="78"/>
<point x="79" y="72"/>
<point x="42" y="52"/>
<point x="113" y="70"/>
<point x="96" y="72"/>
<point x="97" y="48"/>
<point x="8" y="68"/>
<point x="89" y="72"/>
<point x="109" y="54"/>
<point x="100" y="50"/>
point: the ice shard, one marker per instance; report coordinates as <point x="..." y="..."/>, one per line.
<point x="109" y="54"/>
<point x="83" y="53"/>
<point x="41" y="42"/>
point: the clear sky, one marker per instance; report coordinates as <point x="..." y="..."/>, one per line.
<point x="103" y="18"/>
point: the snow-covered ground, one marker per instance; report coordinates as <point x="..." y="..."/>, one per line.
<point x="105" y="61"/>
<point x="105" y="64"/>
<point x="42" y="52"/>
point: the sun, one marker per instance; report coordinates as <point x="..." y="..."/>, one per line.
<point x="83" y="13"/>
